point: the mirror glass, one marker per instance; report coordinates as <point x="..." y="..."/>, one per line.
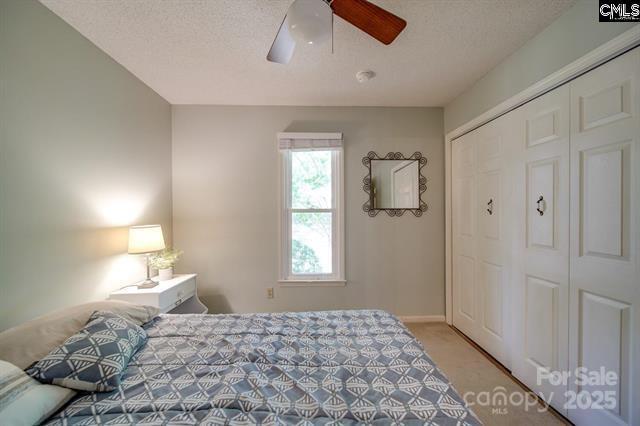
<point x="395" y="184"/>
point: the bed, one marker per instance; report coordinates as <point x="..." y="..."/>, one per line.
<point x="333" y="367"/>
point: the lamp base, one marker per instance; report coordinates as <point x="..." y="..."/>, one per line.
<point x="147" y="284"/>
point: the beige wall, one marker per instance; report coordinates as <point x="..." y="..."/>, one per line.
<point x="84" y="151"/>
<point x="571" y="36"/>
<point x="225" y="206"/>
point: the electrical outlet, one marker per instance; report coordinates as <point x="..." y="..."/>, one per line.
<point x="270" y="293"/>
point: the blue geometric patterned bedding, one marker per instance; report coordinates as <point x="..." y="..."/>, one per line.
<point x="333" y="367"/>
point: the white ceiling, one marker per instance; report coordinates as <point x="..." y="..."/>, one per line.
<point x="213" y="51"/>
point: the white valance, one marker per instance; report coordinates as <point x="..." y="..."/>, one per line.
<point x="309" y="140"/>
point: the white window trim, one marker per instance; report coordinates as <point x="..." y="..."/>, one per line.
<point x="286" y="277"/>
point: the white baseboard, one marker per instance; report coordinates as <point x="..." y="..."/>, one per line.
<point x="421" y="318"/>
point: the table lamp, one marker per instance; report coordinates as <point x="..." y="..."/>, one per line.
<point x="146" y="239"/>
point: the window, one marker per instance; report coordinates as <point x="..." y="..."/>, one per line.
<point x="312" y="240"/>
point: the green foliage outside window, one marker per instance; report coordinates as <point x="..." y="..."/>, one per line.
<point x="304" y="259"/>
<point x="311" y="179"/>
<point x="311" y="189"/>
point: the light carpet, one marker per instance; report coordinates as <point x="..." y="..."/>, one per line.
<point x="471" y="372"/>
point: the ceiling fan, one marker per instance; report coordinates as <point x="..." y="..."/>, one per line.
<point x="311" y="22"/>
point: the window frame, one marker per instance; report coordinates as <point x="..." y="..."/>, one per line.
<point x="337" y="276"/>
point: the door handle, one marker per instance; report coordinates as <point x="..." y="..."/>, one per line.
<point x="490" y="206"/>
<point x="541" y="205"/>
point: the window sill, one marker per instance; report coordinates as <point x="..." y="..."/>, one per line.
<point x="312" y="283"/>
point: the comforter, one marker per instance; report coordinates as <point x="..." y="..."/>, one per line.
<point x="333" y="367"/>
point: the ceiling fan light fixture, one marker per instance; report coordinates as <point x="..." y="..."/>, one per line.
<point x="310" y="21"/>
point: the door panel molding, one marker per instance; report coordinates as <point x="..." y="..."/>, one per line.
<point x="605" y="106"/>
<point x="543" y="128"/>
<point x="604" y="342"/>
<point x="605" y="182"/>
<point x="541" y="333"/>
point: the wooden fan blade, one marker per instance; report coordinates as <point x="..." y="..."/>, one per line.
<point x="373" y="20"/>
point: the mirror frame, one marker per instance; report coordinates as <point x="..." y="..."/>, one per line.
<point x="422" y="181"/>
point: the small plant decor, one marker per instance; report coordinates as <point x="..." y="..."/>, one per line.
<point x="164" y="259"/>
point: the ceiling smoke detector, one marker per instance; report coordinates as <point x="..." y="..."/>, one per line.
<point x="364" y="76"/>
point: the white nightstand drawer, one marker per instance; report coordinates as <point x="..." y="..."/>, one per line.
<point x="175" y="295"/>
<point x="166" y="296"/>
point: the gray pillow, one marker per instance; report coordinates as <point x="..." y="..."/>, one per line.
<point x="24" y="401"/>
<point x="29" y="342"/>
<point x="94" y="358"/>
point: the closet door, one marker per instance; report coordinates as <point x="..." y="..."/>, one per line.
<point x="479" y="233"/>
<point x="605" y="238"/>
<point x="541" y="244"/>
<point x="491" y="267"/>
<point x="465" y="291"/>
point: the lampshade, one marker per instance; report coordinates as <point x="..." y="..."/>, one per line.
<point x="145" y="239"/>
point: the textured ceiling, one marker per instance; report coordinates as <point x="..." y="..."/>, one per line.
<point x="213" y="51"/>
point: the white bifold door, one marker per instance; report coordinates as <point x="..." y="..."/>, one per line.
<point x="541" y="244"/>
<point x="546" y="243"/>
<point x="604" y="315"/>
<point x="480" y="238"/>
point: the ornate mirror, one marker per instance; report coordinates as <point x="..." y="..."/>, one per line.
<point x="394" y="184"/>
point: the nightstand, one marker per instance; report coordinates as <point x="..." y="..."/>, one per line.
<point x="175" y="296"/>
